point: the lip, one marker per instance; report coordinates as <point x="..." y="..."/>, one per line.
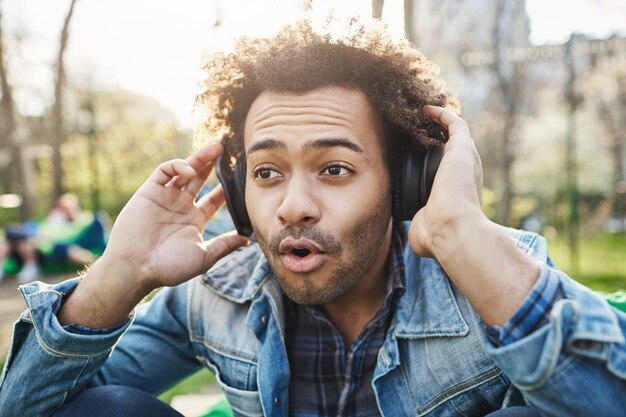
<point x="298" y="264"/>
<point x="303" y="265"/>
<point x="289" y="244"/>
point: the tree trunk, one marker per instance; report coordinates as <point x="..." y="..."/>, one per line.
<point x="58" y="130"/>
<point x="16" y="141"/>
<point x="613" y="128"/>
<point x="409" y="28"/>
<point x="573" y="99"/>
<point x="377" y="9"/>
<point x="510" y="94"/>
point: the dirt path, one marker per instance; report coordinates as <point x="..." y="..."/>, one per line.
<point x="11" y="305"/>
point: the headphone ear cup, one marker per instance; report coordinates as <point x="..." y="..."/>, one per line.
<point x="432" y="159"/>
<point x="414" y="180"/>
<point x="233" y="180"/>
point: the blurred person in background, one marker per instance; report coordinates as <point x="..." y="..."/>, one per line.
<point x="66" y="238"/>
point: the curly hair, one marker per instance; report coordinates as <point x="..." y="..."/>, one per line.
<point x="397" y="79"/>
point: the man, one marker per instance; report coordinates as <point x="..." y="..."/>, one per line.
<point x="66" y="238"/>
<point x="338" y="308"/>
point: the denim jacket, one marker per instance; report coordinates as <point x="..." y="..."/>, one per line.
<point x="435" y="361"/>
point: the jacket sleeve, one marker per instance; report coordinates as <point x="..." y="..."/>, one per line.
<point x="575" y="365"/>
<point x="49" y="363"/>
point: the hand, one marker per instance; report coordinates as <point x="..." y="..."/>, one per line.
<point x="476" y="254"/>
<point x="456" y="196"/>
<point x="156" y="241"/>
<point x="157" y="238"/>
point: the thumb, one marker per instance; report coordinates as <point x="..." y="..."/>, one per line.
<point x="222" y="245"/>
<point x="418" y="235"/>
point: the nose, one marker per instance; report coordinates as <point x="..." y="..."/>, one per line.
<point x="299" y="206"/>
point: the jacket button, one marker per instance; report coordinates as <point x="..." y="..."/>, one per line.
<point x="264" y="319"/>
<point x="276" y="401"/>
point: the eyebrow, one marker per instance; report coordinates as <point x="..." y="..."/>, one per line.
<point x="317" y="144"/>
<point x="331" y="143"/>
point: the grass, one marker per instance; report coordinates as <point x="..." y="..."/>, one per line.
<point x="601" y="262"/>
<point x="194" y="383"/>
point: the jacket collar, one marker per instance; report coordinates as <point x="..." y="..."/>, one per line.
<point x="428" y="307"/>
<point x="239" y="276"/>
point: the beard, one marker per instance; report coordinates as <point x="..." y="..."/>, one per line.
<point x="353" y="256"/>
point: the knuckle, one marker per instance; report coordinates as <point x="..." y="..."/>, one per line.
<point x="180" y="163"/>
<point x="461" y="123"/>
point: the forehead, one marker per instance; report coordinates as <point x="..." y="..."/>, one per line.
<point x="324" y="112"/>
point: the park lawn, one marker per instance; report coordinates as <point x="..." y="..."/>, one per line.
<point x="601" y="261"/>
<point x="194" y="383"/>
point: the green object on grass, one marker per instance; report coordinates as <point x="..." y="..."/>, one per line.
<point x="221" y="409"/>
<point x="617" y="299"/>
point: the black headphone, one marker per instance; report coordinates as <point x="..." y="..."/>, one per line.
<point x="411" y="184"/>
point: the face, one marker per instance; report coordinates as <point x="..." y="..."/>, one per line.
<point x="317" y="190"/>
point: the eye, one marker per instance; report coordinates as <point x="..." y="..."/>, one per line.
<point x="336" y="170"/>
<point x="265" y="173"/>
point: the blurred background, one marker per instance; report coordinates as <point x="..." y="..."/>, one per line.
<point x="95" y="93"/>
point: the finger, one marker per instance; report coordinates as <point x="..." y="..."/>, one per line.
<point x="460" y="137"/>
<point x="198" y="160"/>
<point x="167" y="173"/>
<point x="454" y="124"/>
<point x="195" y="185"/>
<point x="416" y="233"/>
<point x="212" y="201"/>
<point x="220" y="246"/>
<point x="202" y="161"/>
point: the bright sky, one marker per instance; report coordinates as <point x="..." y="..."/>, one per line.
<point x="153" y="47"/>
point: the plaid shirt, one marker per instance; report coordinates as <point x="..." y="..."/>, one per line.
<point x="326" y="378"/>
<point x="531" y="315"/>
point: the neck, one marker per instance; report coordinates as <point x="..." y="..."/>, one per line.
<point x="359" y="305"/>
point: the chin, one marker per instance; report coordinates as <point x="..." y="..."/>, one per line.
<point x="314" y="288"/>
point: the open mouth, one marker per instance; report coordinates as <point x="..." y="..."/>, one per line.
<point x="301" y="255"/>
<point x="301" y="252"/>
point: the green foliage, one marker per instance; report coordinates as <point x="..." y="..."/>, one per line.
<point x="9" y="215"/>
<point x="489" y="202"/>
<point x="131" y="135"/>
<point x="521" y="207"/>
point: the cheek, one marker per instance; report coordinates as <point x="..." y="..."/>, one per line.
<point x="262" y="205"/>
<point x="257" y="210"/>
<point x="347" y="209"/>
